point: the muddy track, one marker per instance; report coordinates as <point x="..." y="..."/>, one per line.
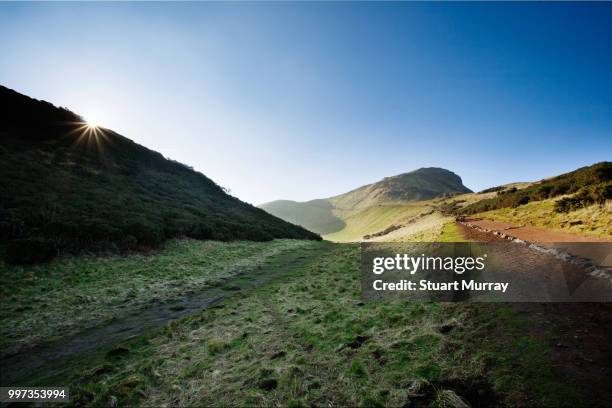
<point x="48" y="360"/>
<point x="528" y="233"/>
<point x="578" y="335"/>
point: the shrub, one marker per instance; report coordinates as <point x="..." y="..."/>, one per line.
<point x="128" y="242"/>
<point x="593" y="185"/>
<point x="29" y="250"/>
<point x="508" y="191"/>
<point x="521" y="200"/>
<point x="492" y="189"/>
<point x="597" y="194"/>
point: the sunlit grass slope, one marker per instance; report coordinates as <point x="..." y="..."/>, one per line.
<point x="382" y="204"/>
<point x="595" y="220"/>
<point x="372" y="220"/>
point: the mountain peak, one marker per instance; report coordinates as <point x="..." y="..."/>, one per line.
<point x="422" y="184"/>
<point x="326" y="215"/>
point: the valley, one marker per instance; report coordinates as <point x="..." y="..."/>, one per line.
<point x="374" y="216"/>
<point x="136" y="281"/>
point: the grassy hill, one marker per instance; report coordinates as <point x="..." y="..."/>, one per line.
<point x="361" y="223"/>
<point x="371" y="208"/>
<point x="316" y="215"/>
<point x="571" y="202"/>
<point x="417" y="185"/>
<point x="586" y="186"/>
<point x="66" y="187"/>
<point x="594" y="220"/>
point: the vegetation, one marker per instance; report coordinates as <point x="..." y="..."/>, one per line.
<point x="291" y="328"/>
<point x="451" y="233"/>
<point x="334" y="216"/>
<point x="371" y="220"/>
<point x="389" y="229"/>
<point x="308" y="339"/>
<point x="315" y="215"/>
<point x="592" y="184"/>
<point x="417" y="185"/>
<point x="594" y="220"/>
<point x="73" y="293"/>
<point x="585" y="197"/>
<point x="67" y="187"/>
<point x="492" y="189"/>
<point x="450" y="207"/>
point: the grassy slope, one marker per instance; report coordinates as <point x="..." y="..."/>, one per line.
<point x="450" y="233"/>
<point x="374" y="219"/>
<point x="421" y="184"/>
<point x="71" y="293"/>
<point x="349" y="216"/>
<point x="317" y="215"/>
<point x="594" y="220"/>
<point x="591" y="184"/>
<point x="308" y="339"/>
<point x="377" y="218"/>
<point x="82" y="190"/>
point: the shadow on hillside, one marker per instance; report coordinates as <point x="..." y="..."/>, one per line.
<point x="315" y="215"/>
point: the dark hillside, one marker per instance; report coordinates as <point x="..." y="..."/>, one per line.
<point x="316" y="215"/>
<point x="66" y="187"/>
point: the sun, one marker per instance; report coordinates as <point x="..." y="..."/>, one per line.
<point x="92" y="123"/>
<point x="90" y="131"/>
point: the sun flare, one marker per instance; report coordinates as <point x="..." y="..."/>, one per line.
<point x="90" y="131"/>
<point x="92" y="123"/>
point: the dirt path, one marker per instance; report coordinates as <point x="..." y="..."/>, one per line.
<point x="597" y="250"/>
<point x="49" y="360"/>
<point x="578" y="334"/>
<point x="533" y="234"/>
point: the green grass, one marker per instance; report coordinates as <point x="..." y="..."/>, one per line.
<point x="594" y="220"/>
<point x="592" y="183"/>
<point x="374" y="219"/>
<point x="308" y="339"/>
<point x="450" y="233"/>
<point x="73" y="293"/>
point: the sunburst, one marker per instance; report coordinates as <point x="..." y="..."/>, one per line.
<point x="90" y="133"/>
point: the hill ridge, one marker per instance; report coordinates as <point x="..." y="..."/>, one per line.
<point x="328" y="215"/>
<point x="72" y="188"/>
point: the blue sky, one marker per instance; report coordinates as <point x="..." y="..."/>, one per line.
<point x="308" y="100"/>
